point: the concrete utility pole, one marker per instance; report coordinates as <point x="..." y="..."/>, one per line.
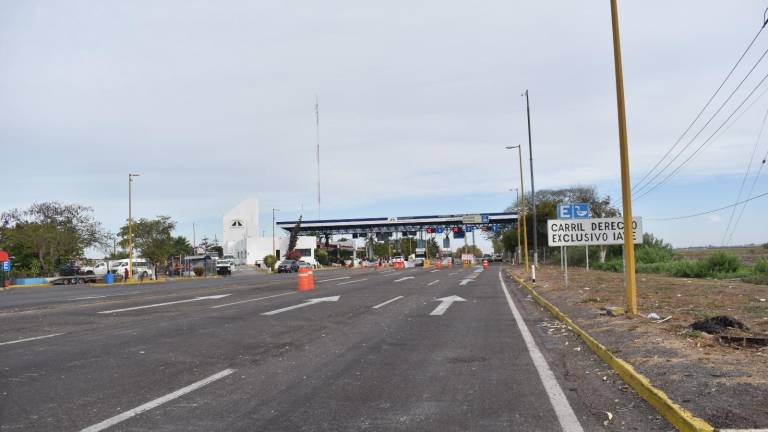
<point x="274" y="249"/>
<point x="517" y="199"/>
<point x="317" y="136"/>
<point x="533" y="188"/>
<point x="626" y="191"/>
<point x="130" y="227"/>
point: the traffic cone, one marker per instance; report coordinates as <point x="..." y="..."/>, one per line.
<point x="450" y="264"/>
<point x="438" y="264"/>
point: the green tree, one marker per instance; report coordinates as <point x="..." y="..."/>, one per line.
<point x="152" y="238"/>
<point x="180" y="246"/>
<point x="321" y="255"/>
<point x="50" y="232"/>
<point x="294" y="238"/>
<point x="270" y="261"/>
<point x="469" y="249"/>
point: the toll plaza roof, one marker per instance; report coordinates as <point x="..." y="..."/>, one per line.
<point x="401" y="223"/>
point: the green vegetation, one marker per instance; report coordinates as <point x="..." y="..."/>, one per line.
<point x="321" y="256"/>
<point x="270" y="262"/>
<point x="198" y="271"/>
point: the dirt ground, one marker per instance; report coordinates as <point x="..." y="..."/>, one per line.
<point x="723" y="384"/>
<point x="747" y="254"/>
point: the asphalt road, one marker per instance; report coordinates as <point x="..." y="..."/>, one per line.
<point x="365" y="350"/>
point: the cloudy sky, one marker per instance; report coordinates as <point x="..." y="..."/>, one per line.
<point x="213" y="102"/>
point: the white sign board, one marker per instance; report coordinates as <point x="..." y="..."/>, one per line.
<point x="472" y="219"/>
<point x="467" y="257"/>
<point x="581" y="232"/>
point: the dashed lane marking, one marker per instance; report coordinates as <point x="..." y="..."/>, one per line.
<point x="352" y="281"/>
<point x="386" y="302"/>
<point x="252" y="300"/>
<point x="31" y="339"/>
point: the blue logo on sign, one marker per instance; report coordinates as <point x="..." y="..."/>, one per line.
<point x="485" y="219"/>
<point x="573" y="211"/>
<point x="6" y="266"/>
<point x="440" y="230"/>
<point x="468" y="228"/>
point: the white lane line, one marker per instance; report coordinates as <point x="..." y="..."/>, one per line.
<point x="433" y="271"/>
<point x="743" y="430"/>
<point x="387" y="302"/>
<point x="252" y="300"/>
<point x="157" y="402"/>
<point x="334" y="279"/>
<point x="403" y="278"/>
<point x="454" y="273"/>
<point x="30" y="339"/>
<point x="213" y="297"/>
<point x="86" y="298"/>
<point x="352" y="281"/>
<point x="433" y="282"/>
<point x="301" y="305"/>
<point x="565" y="415"/>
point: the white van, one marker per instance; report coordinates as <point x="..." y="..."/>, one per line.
<point x="141" y="267"/>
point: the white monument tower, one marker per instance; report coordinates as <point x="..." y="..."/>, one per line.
<point x="238" y="224"/>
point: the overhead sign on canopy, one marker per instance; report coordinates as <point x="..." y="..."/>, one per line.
<point x="588" y="232"/>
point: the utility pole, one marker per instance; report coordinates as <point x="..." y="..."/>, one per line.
<point x="274" y="250"/>
<point x="533" y="188"/>
<point x="626" y="191"/>
<point x="522" y="195"/>
<point x="317" y="139"/>
<point x="517" y="199"/>
<point x="130" y="227"/>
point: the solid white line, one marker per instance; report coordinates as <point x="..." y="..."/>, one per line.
<point x="433" y="271"/>
<point x="387" y="302"/>
<point x="252" y="300"/>
<point x="565" y="415"/>
<point x="31" y="339"/>
<point x="87" y="298"/>
<point x="433" y="282"/>
<point x="743" y="430"/>
<point x="352" y="281"/>
<point x="338" y="278"/>
<point x="157" y="402"/>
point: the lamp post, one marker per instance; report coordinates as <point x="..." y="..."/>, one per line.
<point x="533" y="188"/>
<point x="274" y="250"/>
<point x="517" y="201"/>
<point x="522" y="188"/>
<point x="130" y="227"/>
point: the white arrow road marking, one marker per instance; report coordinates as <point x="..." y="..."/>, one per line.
<point x="301" y="305"/>
<point x="465" y="281"/>
<point x="565" y="415"/>
<point x="445" y="303"/>
<point x="338" y="278"/>
<point x="156" y="403"/>
<point x="213" y="297"/>
<point x="433" y="282"/>
<point x="30" y="339"/>
<point x="432" y="271"/>
<point x="252" y="300"/>
<point x="479" y="270"/>
<point x="403" y="278"/>
<point x="352" y="281"/>
<point x="387" y="302"/>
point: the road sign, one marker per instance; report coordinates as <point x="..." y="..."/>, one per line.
<point x="6" y="266"/>
<point x="573" y="211"/>
<point x="472" y="219"/>
<point x="604" y="231"/>
<point x="440" y="230"/>
<point x="468" y="228"/>
<point x="485" y="219"/>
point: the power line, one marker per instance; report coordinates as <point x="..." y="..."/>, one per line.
<point x="706" y="105"/>
<point x="744" y="179"/>
<point x="702" y="128"/>
<point x="692" y="155"/>
<point x="709" y="211"/>
<point x="751" y="189"/>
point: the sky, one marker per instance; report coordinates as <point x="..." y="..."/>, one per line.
<point x="213" y="102"/>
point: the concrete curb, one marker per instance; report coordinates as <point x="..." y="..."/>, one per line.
<point x="89" y="285"/>
<point x="679" y="417"/>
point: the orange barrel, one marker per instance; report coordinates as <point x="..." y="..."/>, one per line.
<point x="450" y="264"/>
<point x="306" y="279"/>
<point x="485" y="264"/>
<point x="438" y="264"/>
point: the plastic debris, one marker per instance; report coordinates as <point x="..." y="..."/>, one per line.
<point x="653" y="316"/>
<point x="610" y="417"/>
<point x="718" y="324"/>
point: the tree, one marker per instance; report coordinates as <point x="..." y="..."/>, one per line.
<point x="294" y="238"/>
<point x="152" y="238"/>
<point x="49" y="232"/>
<point x="321" y="255"/>
<point x="269" y="261"/>
<point x="180" y="246"/>
<point x="469" y="249"/>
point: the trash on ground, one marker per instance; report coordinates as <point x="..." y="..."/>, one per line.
<point x="653" y="316"/>
<point x="718" y="324"/>
<point x="663" y="320"/>
<point x="613" y="310"/>
<point x="744" y="341"/>
<point x="610" y="417"/>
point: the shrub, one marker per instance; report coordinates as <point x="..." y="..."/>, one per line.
<point x="321" y="256"/>
<point x="761" y="266"/>
<point x="614" y="265"/>
<point x="293" y="255"/>
<point x="650" y="255"/>
<point x="721" y="263"/>
<point x="270" y="261"/>
<point x="199" y="271"/>
<point x="686" y="268"/>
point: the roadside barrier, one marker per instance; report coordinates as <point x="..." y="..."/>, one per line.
<point x="306" y="279"/>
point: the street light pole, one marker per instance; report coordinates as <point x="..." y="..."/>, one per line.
<point x="274" y="250"/>
<point x="522" y="195"/>
<point x="626" y="192"/>
<point x="130" y="227"/>
<point x="533" y="188"/>
<point x="517" y="199"/>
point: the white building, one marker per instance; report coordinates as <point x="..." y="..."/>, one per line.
<point x="243" y="241"/>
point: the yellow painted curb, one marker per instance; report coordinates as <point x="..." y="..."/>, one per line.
<point x="679" y="417"/>
<point x="90" y="285"/>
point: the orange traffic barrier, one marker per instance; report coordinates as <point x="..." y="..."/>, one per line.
<point x="485" y="264"/>
<point x="438" y="264"/>
<point x="306" y="279"/>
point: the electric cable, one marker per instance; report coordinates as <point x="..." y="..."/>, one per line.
<point x="751" y="189"/>
<point x="709" y="211"/>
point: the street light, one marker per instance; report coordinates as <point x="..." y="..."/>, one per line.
<point x="522" y="188"/>
<point x="130" y="227"/>
<point x="517" y="200"/>
<point x="274" y="250"/>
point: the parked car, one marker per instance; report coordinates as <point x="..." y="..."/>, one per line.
<point x="140" y="267"/>
<point x="287" y="266"/>
<point x="302" y="264"/>
<point x="70" y="269"/>
<point x="497" y="258"/>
